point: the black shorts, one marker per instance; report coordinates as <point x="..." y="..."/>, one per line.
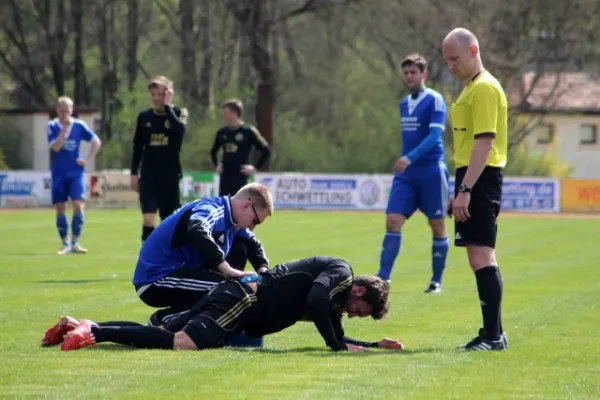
<point x="221" y="314"/>
<point x="180" y="290"/>
<point x="160" y="195"/>
<point x="229" y="184"/>
<point x="486" y="196"/>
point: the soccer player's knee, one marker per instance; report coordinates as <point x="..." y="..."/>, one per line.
<point x="481" y="256"/>
<point x="61" y="208"/>
<point x="183" y="342"/>
<point x="78" y="206"/>
<point x="149" y="219"/>
<point x="394" y="222"/>
<point x="438" y="227"/>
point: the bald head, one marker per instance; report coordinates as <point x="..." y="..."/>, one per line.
<point x="461" y="52"/>
<point x="462" y="36"/>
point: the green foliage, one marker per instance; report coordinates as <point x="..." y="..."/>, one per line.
<point x="3" y="164"/>
<point x="10" y="144"/>
<point x="522" y="163"/>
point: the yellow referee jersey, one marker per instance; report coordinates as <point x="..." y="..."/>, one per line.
<point x="481" y="109"/>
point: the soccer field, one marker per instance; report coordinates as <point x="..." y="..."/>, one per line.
<point x="551" y="315"/>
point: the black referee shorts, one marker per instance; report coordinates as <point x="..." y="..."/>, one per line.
<point x="159" y="194"/>
<point x="220" y="315"/>
<point x="486" y="196"/>
<point x="229" y="184"/>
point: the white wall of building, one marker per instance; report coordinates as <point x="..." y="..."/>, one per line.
<point x="571" y="134"/>
<point x="34" y="144"/>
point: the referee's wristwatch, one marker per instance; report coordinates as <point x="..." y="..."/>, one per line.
<point x="463" y="188"/>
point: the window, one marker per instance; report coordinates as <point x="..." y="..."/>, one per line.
<point x="588" y="135"/>
<point x="545" y="134"/>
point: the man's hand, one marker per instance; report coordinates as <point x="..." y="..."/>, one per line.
<point x="135" y="183"/>
<point x="449" y="206"/>
<point x="353" y="347"/>
<point x="261" y="270"/>
<point x="81" y="162"/>
<point x="460" y="207"/>
<point x="248" y="169"/>
<point x="168" y="99"/>
<point x="401" y="164"/>
<point x="390" y="344"/>
<point x="219" y="169"/>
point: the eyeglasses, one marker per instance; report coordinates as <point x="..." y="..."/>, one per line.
<point x="256" y="218"/>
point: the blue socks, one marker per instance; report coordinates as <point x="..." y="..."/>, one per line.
<point x="439" y="253"/>
<point x="62" y="225"/>
<point x="77" y="225"/>
<point x="392" y="242"/>
<point x="243" y="340"/>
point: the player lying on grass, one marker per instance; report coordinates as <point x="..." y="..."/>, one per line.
<point x="317" y="289"/>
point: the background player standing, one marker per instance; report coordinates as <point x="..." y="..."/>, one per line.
<point x="157" y="146"/>
<point x="480" y="125"/>
<point x="237" y="139"/>
<point x="421" y="177"/>
<point x="65" y="134"/>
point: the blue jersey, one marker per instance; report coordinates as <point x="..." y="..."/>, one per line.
<point x="199" y="234"/>
<point x="423" y="118"/>
<point x="64" y="161"/>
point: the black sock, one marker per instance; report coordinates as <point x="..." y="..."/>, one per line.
<point x="489" y="286"/>
<point x="146" y="231"/>
<point x="118" y="323"/>
<point x="142" y="337"/>
<point x="500" y="308"/>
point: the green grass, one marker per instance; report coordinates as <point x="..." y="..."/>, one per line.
<point x="551" y="314"/>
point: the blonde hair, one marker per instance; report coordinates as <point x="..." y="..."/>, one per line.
<point x="65" y="100"/>
<point x="259" y="195"/>
<point x="160" y="81"/>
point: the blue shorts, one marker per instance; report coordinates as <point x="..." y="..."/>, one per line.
<point x="420" y="186"/>
<point x="68" y="186"/>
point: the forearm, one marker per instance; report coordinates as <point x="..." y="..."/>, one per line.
<point x="96" y="144"/>
<point x="59" y="141"/>
<point x="256" y="253"/>
<point x="264" y="157"/>
<point x="435" y="133"/>
<point x="479" y="156"/>
<point x="319" y="309"/>
<point x="355" y="342"/>
<point x="136" y="158"/>
<point x="177" y="126"/>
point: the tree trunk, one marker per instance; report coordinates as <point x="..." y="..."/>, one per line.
<point x="132" y="42"/>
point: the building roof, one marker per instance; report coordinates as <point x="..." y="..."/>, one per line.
<point x="564" y="92"/>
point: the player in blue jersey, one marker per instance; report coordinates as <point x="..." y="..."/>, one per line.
<point x="421" y="176"/>
<point x="184" y="257"/>
<point x="65" y="134"/>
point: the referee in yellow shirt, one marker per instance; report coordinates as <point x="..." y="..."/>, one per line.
<point x="479" y="121"/>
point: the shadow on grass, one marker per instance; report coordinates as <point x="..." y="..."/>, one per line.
<point x="323" y="352"/>
<point x="79" y="281"/>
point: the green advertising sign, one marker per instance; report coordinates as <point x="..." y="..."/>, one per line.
<point x="195" y="185"/>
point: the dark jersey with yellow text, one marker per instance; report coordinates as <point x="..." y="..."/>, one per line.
<point x="237" y="144"/>
<point x="311" y="289"/>
<point x="157" y="142"/>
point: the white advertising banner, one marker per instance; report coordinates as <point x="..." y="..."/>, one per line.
<point x="25" y="189"/>
<point x="110" y="190"/>
<point x="321" y="191"/>
<point x="371" y="192"/>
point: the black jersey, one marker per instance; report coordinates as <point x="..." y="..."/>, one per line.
<point x="157" y="142"/>
<point x="311" y="289"/>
